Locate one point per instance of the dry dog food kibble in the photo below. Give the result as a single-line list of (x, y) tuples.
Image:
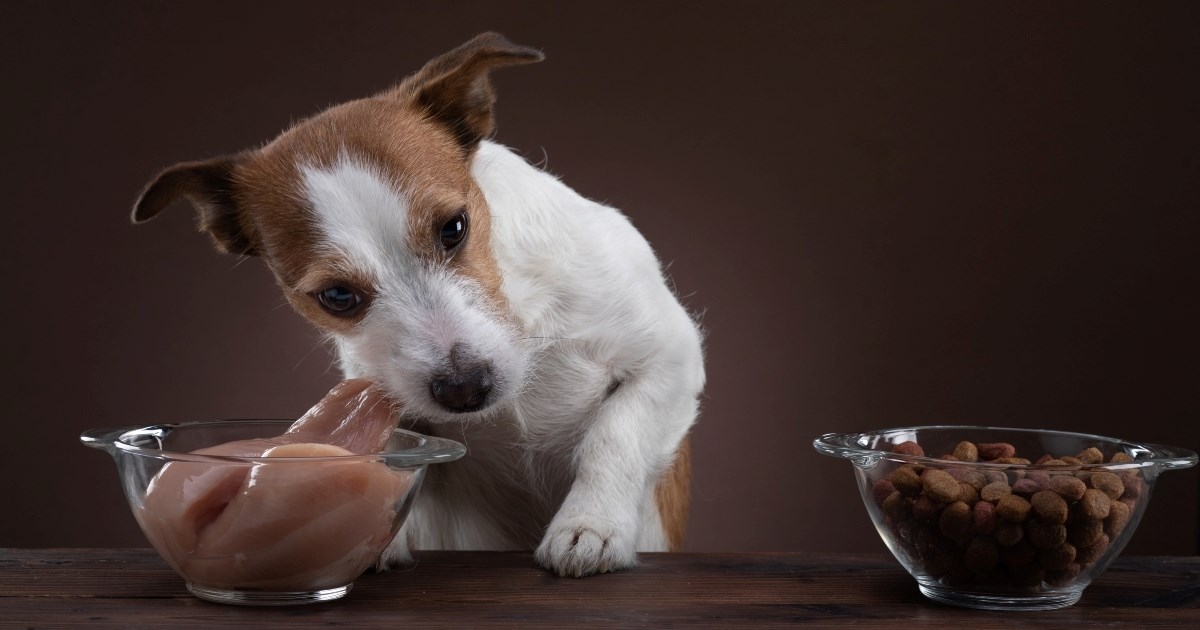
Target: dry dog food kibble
[(1017, 527), (966, 452), (940, 486), (909, 448)]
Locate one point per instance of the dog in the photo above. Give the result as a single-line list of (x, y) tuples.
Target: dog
[(499, 306)]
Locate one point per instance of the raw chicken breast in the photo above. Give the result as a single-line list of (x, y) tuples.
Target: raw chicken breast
[(301, 524)]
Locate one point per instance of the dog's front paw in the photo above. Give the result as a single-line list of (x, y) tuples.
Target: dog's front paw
[(585, 544)]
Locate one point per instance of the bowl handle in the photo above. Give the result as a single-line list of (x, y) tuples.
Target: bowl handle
[(103, 439), (436, 450), (1171, 457), (844, 445)]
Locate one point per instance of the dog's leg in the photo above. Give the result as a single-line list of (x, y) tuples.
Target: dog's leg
[(398, 554), (622, 454)]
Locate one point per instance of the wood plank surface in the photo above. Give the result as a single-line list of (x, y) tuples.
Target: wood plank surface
[(133, 587)]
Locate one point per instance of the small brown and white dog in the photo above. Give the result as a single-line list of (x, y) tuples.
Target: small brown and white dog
[(502, 308)]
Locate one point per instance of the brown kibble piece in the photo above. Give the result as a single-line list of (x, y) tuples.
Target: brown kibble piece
[(966, 452), (906, 480), (992, 476), (1026, 487), (1091, 456), (1009, 534), (985, 517), (909, 448), (1064, 577), (1085, 532), (967, 493), (981, 556), (1040, 476), (1068, 487), (1071, 461), (1013, 508), (1121, 458), (956, 521), (1133, 484), (939, 485), (1088, 555), (1058, 558), (996, 450), (1094, 504), (995, 491), (881, 490), (897, 507), (1019, 461), (1049, 506), (1108, 483), (1045, 535), (1118, 518), (966, 475), (925, 509)]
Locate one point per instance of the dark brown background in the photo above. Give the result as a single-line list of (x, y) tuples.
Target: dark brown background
[(889, 213)]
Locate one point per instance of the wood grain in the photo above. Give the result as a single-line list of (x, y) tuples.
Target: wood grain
[(133, 587)]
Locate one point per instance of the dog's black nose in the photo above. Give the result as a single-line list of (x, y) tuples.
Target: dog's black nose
[(462, 391)]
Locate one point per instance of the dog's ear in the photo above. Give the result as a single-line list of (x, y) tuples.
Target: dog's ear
[(209, 185), (454, 88)]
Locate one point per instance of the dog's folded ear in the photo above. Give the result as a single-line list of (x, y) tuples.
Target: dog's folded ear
[(454, 88), (209, 185)]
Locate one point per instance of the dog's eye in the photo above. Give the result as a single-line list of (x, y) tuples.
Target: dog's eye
[(454, 230), (340, 301)]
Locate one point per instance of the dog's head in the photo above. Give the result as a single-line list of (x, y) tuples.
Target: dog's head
[(375, 230)]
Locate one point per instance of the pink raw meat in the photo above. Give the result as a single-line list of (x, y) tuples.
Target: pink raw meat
[(293, 525)]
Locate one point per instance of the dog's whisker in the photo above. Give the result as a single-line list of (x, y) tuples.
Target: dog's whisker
[(306, 355), (377, 402), (332, 363), (554, 339), (545, 163)]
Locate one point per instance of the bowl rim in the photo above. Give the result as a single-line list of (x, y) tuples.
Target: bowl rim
[(844, 445), (429, 449)]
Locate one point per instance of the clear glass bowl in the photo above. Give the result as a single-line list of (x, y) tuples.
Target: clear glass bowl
[(1026, 552), (266, 530)]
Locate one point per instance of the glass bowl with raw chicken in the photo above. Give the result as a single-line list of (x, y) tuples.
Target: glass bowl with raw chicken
[(268, 512)]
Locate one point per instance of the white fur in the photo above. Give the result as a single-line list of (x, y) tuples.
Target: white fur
[(559, 461), (361, 216)]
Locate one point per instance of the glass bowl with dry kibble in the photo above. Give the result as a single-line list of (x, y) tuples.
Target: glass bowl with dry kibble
[(1003, 519)]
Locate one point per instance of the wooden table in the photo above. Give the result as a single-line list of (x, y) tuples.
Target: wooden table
[(134, 588)]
